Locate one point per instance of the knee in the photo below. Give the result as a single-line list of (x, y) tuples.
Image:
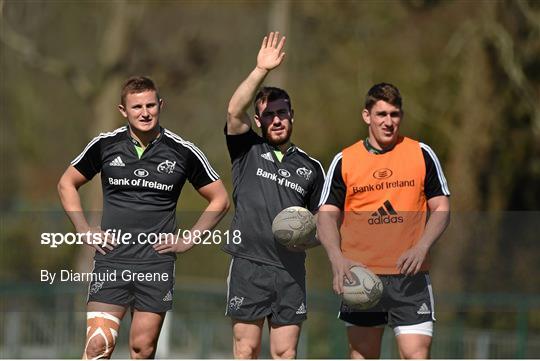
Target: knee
[(287, 354), (243, 350), (98, 348), (140, 349), (367, 353), (142, 353), (418, 354), (355, 355)]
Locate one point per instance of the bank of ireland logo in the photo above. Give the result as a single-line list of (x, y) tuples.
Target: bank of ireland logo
[(304, 172), (284, 173), (235, 303), (166, 167), (141, 173), (382, 173)]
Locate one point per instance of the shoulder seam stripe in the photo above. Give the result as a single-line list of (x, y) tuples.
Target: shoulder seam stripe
[(95, 140), (328, 180), (197, 152), (440, 174), (315, 160)]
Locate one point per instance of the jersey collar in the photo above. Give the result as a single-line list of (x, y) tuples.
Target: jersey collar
[(136, 143), (371, 149), (290, 150)]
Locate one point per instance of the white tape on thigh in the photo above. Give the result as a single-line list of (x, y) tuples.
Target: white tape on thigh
[(424, 328), (101, 324), (104, 315)]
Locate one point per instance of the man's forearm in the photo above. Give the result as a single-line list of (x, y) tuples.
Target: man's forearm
[(71, 202), (211, 216), (328, 234), (269, 57), (331, 244), (243, 95), (435, 226)]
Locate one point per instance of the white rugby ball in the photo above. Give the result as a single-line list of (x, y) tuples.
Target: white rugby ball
[(364, 290), (294, 227)]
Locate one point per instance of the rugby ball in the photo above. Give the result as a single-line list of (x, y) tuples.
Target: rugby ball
[(295, 227), (364, 290)]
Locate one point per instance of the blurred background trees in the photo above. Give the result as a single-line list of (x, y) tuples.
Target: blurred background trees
[(469, 73)]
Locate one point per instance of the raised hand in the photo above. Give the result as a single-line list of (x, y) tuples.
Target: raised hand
[(270, 54)]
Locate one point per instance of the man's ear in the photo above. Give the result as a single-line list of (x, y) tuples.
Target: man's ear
[(292, 115), (257, 120), (161, 102), (366, 116), (122, 110)]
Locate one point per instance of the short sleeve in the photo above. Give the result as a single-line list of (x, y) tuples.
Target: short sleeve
[(316, 189), (200, 172), (88, 163), (334, 189), (239, 144), (435, 181)]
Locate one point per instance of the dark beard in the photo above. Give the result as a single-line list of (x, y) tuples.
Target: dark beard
[(264, 131)]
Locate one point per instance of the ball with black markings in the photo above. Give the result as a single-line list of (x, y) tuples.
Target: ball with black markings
[(294, 227), (364, 290)]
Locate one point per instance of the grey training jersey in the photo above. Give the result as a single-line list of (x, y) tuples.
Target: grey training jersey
[(262, 187), (140, 194)]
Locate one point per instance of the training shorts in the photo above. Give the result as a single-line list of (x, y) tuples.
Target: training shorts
[(406, 300), (257, 290), (145, 287)]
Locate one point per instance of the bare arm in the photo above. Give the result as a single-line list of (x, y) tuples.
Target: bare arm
[(409, 262), (68, 189), (327, 229), (218, 205), (270, 56)]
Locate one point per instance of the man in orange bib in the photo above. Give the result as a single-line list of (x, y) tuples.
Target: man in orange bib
[(384, 204)]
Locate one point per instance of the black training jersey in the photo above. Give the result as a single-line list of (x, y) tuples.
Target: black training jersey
[(262, 187), (434, 182), (140, 195)]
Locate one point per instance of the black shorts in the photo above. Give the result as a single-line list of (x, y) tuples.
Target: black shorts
[(257, 290), (146, 287), (406, 300)]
